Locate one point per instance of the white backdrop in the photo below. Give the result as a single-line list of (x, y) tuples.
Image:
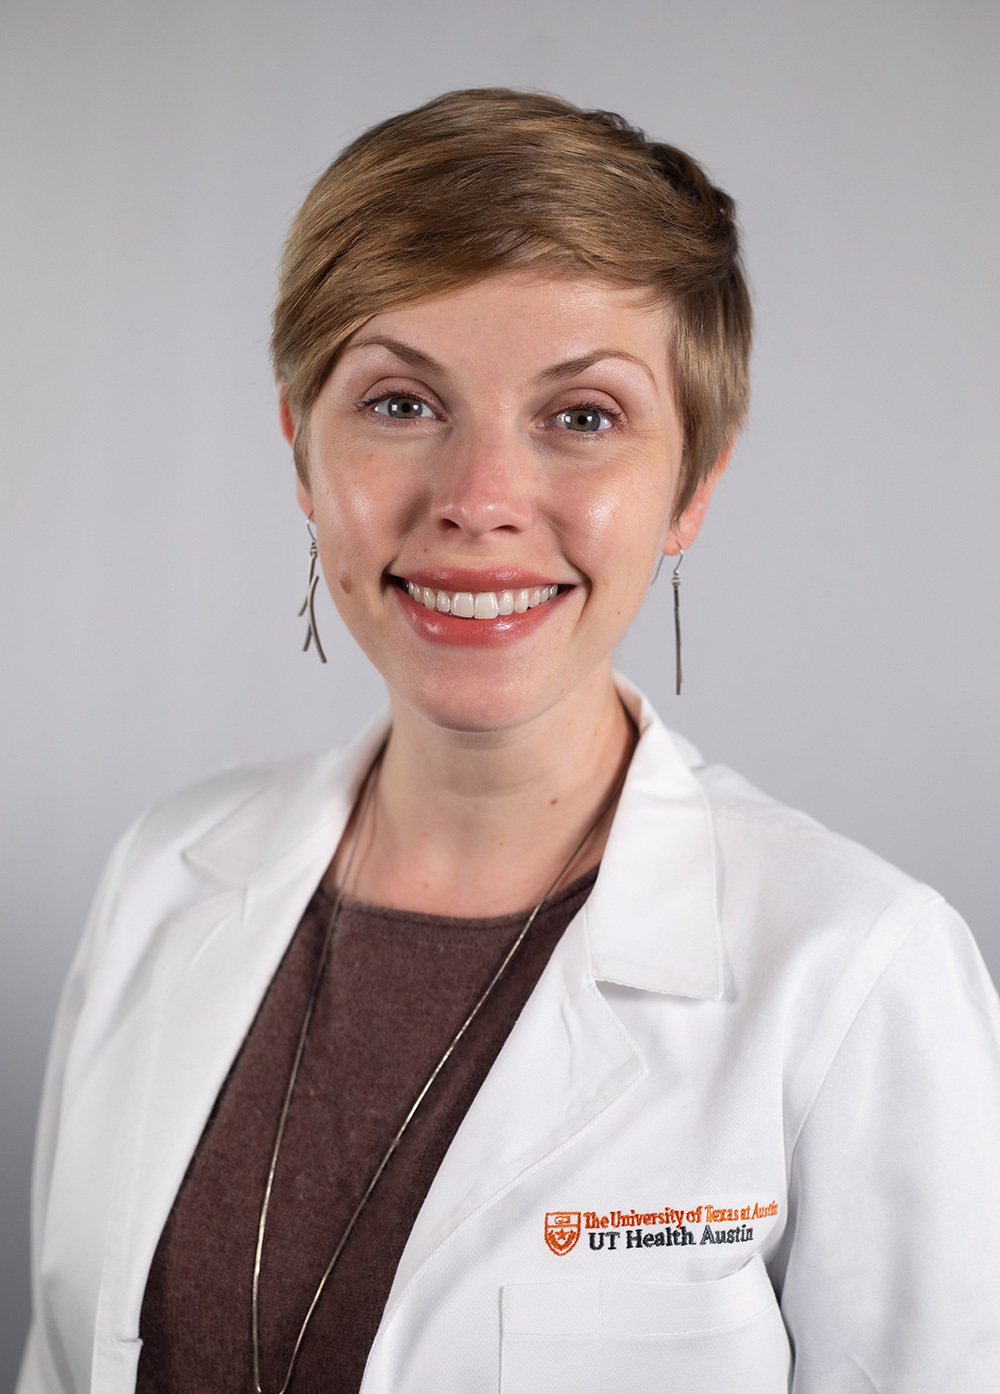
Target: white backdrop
[(840, 609)]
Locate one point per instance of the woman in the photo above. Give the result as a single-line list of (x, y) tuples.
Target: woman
[(514, 1048)]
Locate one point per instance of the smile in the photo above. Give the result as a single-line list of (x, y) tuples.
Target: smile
[(481, 605)]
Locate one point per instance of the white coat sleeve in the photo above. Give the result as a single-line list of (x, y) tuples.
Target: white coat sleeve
[(44, 1368), (892, 1276)]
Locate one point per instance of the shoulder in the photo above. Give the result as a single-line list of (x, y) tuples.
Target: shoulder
[(763, 839), (768, 860), (259, 792), (243, 821), (212, 836), (788, 903), (821, 929), (191, 811)]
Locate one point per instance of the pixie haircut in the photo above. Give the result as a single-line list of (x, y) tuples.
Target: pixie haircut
[(491, 179)]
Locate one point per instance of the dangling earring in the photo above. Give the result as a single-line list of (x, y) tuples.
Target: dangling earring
[(675, 581), (308, 604)]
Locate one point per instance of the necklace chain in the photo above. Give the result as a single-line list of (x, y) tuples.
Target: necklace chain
[(369, 792)]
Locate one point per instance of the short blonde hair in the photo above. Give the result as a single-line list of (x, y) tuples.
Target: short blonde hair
[(489, 179)]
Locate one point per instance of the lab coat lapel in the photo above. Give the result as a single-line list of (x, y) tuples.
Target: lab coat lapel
[(654, 910), (217, 960)]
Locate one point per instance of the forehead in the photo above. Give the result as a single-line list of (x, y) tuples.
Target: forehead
[(520, 322)]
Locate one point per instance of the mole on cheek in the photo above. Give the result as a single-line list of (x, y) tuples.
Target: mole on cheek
[(346, 584)]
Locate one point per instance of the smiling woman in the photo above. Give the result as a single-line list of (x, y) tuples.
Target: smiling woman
[(514, 1048)]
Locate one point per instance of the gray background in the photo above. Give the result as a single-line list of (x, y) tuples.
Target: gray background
[(840, 609)]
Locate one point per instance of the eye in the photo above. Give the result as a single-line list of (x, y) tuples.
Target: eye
[(401, 406), (586, 419)]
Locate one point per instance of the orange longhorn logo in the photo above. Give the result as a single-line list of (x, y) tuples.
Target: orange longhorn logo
[(562, 1230)]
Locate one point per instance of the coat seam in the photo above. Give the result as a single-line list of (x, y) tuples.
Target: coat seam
[(934, 899)]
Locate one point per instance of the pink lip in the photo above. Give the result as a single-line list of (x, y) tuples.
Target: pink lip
[(498, 578), (446, 629)]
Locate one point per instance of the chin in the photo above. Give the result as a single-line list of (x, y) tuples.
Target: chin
[(480, 703)]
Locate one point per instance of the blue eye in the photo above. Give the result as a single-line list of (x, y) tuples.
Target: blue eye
[(584, 419), (401, 406)]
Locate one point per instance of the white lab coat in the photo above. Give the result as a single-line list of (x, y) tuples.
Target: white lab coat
[(751, 1109)]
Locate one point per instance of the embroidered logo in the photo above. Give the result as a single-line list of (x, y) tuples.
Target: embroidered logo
[(669, 1228), (562, 1230)]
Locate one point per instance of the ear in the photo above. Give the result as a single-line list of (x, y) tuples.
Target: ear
[(686, 528), (288, 423), (289, 429)]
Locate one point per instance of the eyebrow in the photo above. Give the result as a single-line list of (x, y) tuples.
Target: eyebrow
[(571, 366), (416, 358)]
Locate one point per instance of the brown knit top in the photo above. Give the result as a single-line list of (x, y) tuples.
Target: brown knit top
[(397, 987)]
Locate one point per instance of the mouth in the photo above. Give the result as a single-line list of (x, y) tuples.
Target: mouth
[(447, 607), (480, 605)]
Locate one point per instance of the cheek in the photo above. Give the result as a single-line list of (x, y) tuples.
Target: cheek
[(619, 534), (361, 513), (356, 494)]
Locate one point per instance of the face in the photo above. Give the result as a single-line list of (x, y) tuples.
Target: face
[(491, 478)]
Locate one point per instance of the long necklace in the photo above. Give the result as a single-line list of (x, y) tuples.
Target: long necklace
[(300, 1049)]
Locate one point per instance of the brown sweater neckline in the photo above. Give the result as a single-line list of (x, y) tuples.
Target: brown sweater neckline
[(455, 922)]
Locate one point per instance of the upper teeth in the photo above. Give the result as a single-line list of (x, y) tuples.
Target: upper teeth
[(481, 605)]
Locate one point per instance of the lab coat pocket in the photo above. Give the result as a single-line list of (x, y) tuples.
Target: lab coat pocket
[(719, 1337)]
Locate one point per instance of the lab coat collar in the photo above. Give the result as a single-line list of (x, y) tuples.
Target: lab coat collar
[(310, 797), (653, 915), (652, 918)]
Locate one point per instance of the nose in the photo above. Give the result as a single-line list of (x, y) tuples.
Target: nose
[(484, 486)]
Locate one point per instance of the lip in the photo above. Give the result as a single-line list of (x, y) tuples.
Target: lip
[(446, 629), (497, 578)]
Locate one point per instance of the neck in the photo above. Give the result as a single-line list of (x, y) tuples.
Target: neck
[(479, 823)]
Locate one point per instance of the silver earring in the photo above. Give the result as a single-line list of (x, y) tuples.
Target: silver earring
[(309, 603), (675, 581)]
